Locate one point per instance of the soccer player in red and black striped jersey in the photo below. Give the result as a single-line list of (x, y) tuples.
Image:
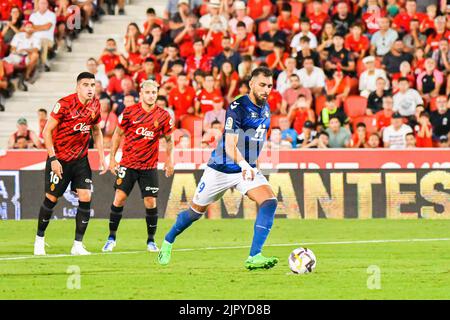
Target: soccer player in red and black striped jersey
[(66, 137), (142, 125)]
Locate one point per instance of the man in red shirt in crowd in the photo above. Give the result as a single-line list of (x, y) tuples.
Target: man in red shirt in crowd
[(243, 42), (402, 20), (199, 60), (259, 10), (286, 21), (356, 42), (135, 61), (115, 82), (317, 18), (182, 97), (148, 72), (384, 116), (204, 99), (441, 33), (111, 58), (371, 16)]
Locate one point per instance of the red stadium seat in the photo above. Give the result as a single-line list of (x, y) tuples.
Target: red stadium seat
[(355, 106), (320, 104), (369, 121)]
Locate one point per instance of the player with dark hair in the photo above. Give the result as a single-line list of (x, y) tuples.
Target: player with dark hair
[(142, 125), (233, 164), (66, 137)]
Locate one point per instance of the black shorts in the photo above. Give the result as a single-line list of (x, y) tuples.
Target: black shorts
[(147, 179), (77, 172)]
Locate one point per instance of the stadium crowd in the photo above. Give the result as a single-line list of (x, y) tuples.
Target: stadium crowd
[(347, 73)]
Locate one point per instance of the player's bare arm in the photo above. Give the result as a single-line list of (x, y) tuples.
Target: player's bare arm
[(168, 165), (98, 142), (115, 143), (51, 125)]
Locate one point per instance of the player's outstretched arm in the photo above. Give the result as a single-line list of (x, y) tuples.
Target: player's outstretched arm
[(51, 124), (98, 142), (115, 143), (168, 165)]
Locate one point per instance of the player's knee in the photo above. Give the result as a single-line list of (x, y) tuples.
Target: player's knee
[(120, 198), (199, 209), (270, 205), (150, 202), (51, 198), (84, 196)]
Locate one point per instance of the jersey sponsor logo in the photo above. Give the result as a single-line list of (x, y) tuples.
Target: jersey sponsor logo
[(229, 123), (145, 132), (56, 108), (82, 127)]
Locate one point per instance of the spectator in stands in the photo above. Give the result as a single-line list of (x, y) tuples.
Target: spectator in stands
[(440, 118), (259, 10), (317, 17), (42, 119), (356, 42), (100, 93), (240, 12), (342, 19), (384, 116), (216, 114), (312, 77), (213, 19), (360, 137), (268, 39), (198, 60), (339, 86), (227, 81), (394, 136), (300, 112), (163, 103), (424, 131), (405, 72), (410, 141), (228, 54), (151, 21), (375, 98), (243, 42), (291, 95), (402, 20), (108, 122), (326, 38), (204, 99), (276, 140), (374, 141), (439, 32), (110, 57), (133, 39), (13, 25), (283, 79), (246, 67), (323, 140), (276, 61), (212, 135), (414, 39), (429, 82), (115, 82), (382, 40), (339, 58), (442, 56), (184, 142), (287, 133), (182, 97), (158, 41), (64, 25), (305, 31), (406, 99), (148, 72), (171, 54), (32, 140), (127, 88), (393, 59), (308, 136), (339, 137), (92, 67), (443, 142), (286, 21), (368, 79), (24, 54), (332, 110), (307, 52), (44, 24)]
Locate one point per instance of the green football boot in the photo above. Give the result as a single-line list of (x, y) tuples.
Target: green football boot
[(260, 262)]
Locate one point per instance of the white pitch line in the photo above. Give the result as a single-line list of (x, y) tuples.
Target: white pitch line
[(239, 247)]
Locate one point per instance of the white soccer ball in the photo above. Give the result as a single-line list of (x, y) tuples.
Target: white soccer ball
[(302, 260)]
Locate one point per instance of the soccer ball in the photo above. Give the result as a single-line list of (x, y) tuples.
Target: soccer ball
[(302, 260)]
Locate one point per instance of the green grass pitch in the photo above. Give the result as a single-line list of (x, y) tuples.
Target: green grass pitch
[(408, 269)]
